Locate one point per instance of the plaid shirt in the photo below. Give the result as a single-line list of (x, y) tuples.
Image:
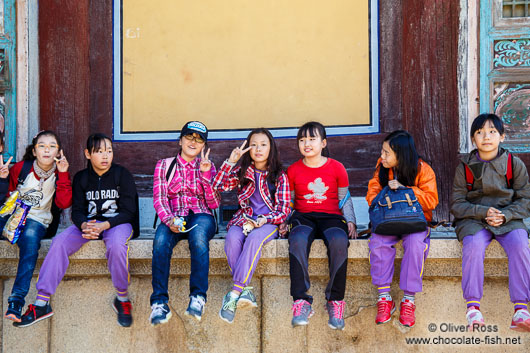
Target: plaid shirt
[(189, 190), (227, 179)]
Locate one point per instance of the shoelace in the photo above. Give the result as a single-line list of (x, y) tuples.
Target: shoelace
[(407, 308), (157, 310), (126, 306), (337, 308), (197, 303), (31, 309), (247, 291), (231, 304), (381, 306), (298, 307)]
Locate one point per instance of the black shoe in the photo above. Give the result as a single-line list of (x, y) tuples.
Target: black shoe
[(123, 309), (34, 314), (14, 311)]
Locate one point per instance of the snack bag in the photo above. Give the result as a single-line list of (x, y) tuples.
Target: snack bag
[(9, 205), (15, 223)]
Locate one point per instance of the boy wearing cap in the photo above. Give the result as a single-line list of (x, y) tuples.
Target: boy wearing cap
[(182, 191)]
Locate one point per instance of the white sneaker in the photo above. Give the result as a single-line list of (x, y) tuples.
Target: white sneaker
[(521, 321), (474, 317), (196, 307)]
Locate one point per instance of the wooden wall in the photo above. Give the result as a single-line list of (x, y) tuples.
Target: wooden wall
[(418, 80)]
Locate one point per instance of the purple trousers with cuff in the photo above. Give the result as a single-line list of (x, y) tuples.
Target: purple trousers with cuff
[(243, 252), (69, 241), (515, 244), (383, 253)]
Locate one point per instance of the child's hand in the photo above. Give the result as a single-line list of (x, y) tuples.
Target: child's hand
[(4, 168), (394, 184), (494, 217), (206, 164), (173, 227), (259, 221), (62, 163), (352, 231), (238, 152), (88, 230), (282, 229)]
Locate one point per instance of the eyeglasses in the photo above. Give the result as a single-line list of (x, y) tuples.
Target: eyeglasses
[(43, 146), (197, 138)]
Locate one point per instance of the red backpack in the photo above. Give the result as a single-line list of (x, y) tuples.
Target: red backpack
[(509, 174)]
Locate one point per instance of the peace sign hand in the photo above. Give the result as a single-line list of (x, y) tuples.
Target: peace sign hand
[(62, 163), (206, 164), (238, 152), (4, 168)]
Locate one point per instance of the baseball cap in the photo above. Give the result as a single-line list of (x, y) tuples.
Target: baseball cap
[(194, 127)]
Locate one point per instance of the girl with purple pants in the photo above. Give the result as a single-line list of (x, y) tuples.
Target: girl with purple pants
[(264, 197), (103, 207), (399, 166), (491, 197)]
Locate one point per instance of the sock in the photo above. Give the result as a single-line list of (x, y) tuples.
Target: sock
[(519, 306), (474, 303), (409, 297), (40, 302), (123, 299), (385, 295)]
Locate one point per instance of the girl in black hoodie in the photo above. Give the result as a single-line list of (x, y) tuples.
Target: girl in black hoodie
[(104, 207)]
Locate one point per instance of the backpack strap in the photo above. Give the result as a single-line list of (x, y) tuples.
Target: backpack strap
[(26, 168), (169, 176), (470, 179), (509, 171)]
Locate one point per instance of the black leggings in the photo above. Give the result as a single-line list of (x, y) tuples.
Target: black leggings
[(333, 229)]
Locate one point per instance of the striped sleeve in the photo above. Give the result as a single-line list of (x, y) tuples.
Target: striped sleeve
[(226, 178), (160, 200)]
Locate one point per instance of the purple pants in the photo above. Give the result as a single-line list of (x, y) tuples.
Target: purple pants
[(515, 244), (383, 252), (243, 252), (70, 241)]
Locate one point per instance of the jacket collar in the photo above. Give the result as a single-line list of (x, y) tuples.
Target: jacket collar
[(250, 173), (91, 171), (500, 163)]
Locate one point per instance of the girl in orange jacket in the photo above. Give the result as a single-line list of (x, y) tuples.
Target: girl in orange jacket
[(400, 165)]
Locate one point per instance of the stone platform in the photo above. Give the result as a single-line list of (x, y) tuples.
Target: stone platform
[(85, 322)]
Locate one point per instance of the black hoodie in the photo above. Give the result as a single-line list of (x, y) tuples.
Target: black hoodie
[(102, 198)]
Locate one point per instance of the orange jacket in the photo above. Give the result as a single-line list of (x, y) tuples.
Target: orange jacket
[(425, 188)]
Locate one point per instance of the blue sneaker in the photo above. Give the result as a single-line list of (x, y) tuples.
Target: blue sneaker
[(196, 306), (228, 309), (302, 311), (247, 299), (336, 314), (160, 314), (35, 314), (14, 311)]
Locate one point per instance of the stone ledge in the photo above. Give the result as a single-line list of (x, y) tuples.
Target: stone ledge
[(141, 249)]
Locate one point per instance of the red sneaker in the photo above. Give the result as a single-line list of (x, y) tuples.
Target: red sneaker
[(385, 309), (406, 313)]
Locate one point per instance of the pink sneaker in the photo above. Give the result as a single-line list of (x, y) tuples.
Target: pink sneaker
[(474, 316), (407, 315), (521, 321), (385, 309)]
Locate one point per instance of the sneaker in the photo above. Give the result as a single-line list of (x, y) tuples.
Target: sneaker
[(336, 314), (521, 321), (123, 309), (196, 307), (160, 314), (385, 309), (302, 311), (34, 314), (474, 317), (228, 309), (406, 314), (14, 311), (247, 299)]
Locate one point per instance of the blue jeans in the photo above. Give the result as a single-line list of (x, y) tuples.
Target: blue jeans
[(28, 244), (198, 241)]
